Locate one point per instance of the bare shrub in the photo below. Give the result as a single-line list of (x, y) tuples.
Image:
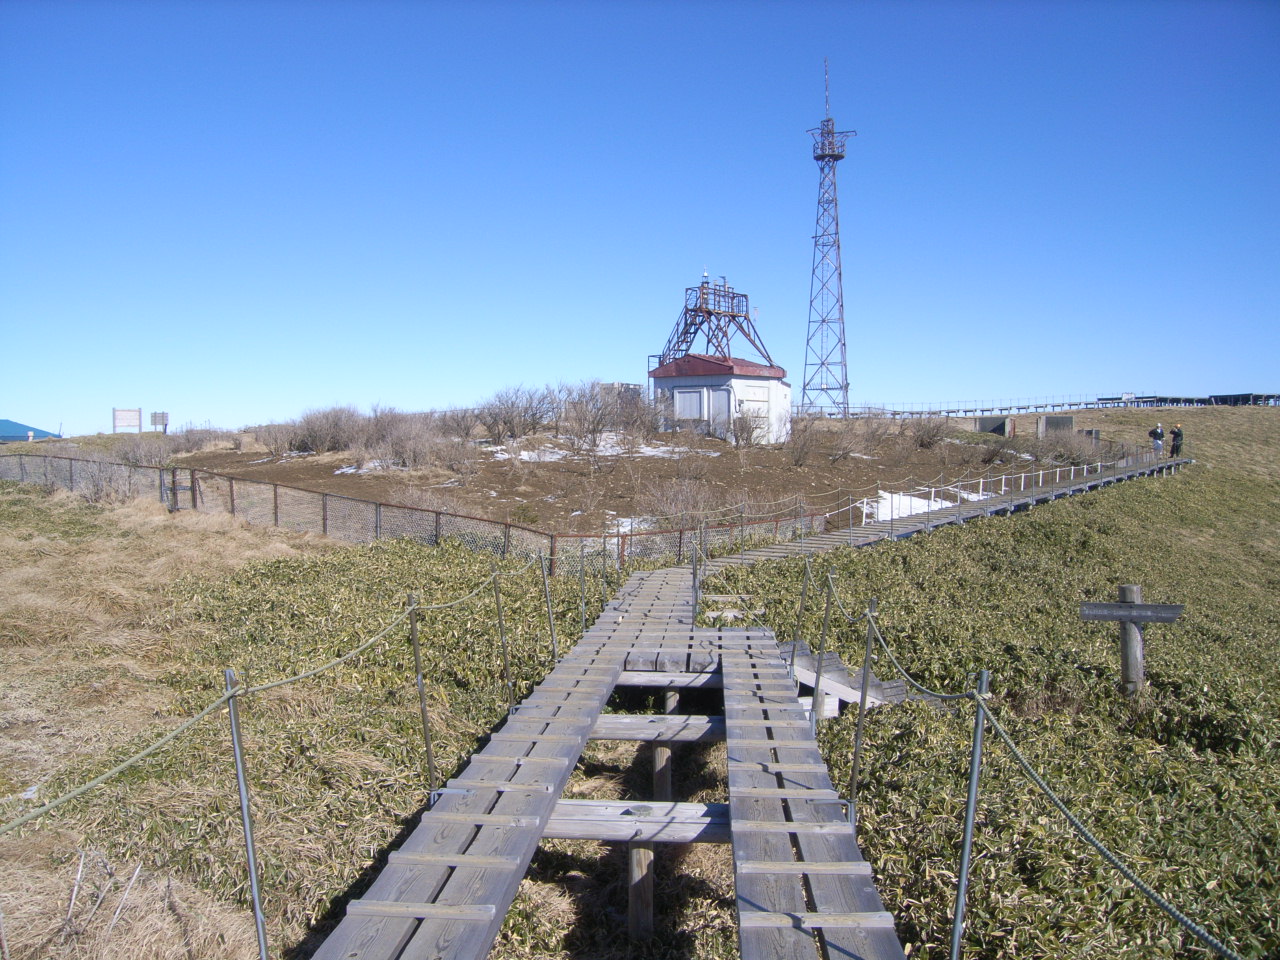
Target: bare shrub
[(278, 438), (589, 411), (1063, 447), (395, 439), (459, 422), (802, 440), (858, 436), (681, 502), (638, 420), (142, 451), (997, 450), (329, 430), (926, 432), (748, 430), (517, 412)]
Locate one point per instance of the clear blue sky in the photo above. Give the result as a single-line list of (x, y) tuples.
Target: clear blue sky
[(237, 211)]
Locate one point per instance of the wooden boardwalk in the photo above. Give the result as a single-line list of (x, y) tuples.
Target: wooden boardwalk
[(802, 888)]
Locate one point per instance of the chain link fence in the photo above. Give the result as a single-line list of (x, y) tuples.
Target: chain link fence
[(364, 521)]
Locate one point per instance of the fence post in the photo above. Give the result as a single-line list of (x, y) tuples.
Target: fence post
[(970, 810), (324, 514), (506, 540), (437, 540), (680, 547), (552, 559), (246, 814), (377, 521), (422, 700), (551, 619), (502, 635)]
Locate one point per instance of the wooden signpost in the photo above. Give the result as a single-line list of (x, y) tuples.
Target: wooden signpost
[(1132, 614)]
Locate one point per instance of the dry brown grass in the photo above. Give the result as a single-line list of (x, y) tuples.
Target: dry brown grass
[(83, 646), (58, 908)]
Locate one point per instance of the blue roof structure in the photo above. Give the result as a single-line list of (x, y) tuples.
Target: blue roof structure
[(13, 432)]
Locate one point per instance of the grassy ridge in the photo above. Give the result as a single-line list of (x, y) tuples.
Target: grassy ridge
[(1183, 784)]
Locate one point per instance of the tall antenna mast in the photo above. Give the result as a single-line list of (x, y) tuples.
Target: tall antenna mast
[(826, 376)]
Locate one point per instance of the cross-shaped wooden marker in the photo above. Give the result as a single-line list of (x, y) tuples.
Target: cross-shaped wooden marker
[(1132, 614)]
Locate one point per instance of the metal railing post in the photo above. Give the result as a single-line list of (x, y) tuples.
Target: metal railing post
[(422, 700), (551, 619), (804, 598), (246, 814), (856, 763), (970, 811), (582, 582), (818, 699), (502, 636)]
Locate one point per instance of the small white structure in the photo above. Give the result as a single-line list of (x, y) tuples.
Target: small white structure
[(725, 397)]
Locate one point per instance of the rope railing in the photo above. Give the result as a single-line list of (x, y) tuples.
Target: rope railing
[(983, 714), (237, 688)]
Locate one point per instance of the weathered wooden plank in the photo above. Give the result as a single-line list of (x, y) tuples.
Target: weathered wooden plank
[(816, 921), (473, 913), (678, 728), (857, 868)]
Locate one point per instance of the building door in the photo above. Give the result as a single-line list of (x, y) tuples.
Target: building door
[(721, 418)]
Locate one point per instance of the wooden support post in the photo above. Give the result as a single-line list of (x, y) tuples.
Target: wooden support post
[(640, 865), (1132, 614), (1132, 673)]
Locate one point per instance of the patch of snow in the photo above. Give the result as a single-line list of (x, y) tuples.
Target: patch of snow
[(543, 454), (971, 494), (894, 506), (630, 524), (370, 467)]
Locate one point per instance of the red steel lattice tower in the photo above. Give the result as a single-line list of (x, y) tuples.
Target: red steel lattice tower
[(826, 374)]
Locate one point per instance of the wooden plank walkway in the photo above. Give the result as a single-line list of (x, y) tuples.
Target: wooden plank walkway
[(802, 887), (1000, 503)]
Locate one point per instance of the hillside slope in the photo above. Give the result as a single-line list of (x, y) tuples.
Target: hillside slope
[(1182, 784)]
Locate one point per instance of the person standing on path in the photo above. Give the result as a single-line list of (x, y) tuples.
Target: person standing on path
[(1157, 439), (1175, 441)]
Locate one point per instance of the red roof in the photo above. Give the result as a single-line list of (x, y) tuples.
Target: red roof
[(701, 365)]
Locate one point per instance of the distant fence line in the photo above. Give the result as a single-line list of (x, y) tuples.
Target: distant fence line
[(1005, 408), (363, 521)]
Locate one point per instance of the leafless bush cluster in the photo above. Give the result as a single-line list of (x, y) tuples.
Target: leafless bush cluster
[(748, 431), (926, 432), (392, 438), (681, 502), (1063, 446), (858, 436), (386, 438), (998, 450), (329, 430), (803, 440), (517, 412), (144, 451)]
